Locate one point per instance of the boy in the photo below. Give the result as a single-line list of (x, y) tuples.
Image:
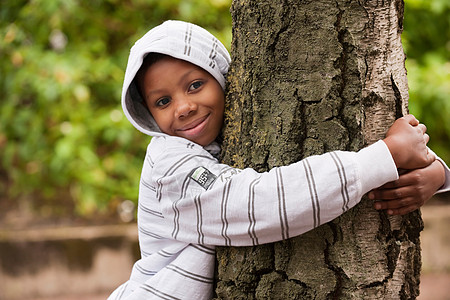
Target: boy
[(189, 202)]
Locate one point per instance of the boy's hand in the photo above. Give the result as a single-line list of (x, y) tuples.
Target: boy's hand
[(407, 140), (410, 191)]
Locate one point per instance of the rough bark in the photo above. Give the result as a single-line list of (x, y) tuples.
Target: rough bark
[(308, 77)]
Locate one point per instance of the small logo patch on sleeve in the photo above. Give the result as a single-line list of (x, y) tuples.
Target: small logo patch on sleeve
[(203, 177)]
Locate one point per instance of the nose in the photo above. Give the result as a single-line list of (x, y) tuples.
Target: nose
[(184, 107)]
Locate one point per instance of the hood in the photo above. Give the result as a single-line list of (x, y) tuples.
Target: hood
[(180, 40)]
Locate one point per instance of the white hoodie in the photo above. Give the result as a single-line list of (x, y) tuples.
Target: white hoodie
[(189, 202)]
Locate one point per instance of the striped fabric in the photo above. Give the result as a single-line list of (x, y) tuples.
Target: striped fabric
[(180, 221), (189, 203)]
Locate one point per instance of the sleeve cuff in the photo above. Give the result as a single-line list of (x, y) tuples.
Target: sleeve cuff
[(376, 166), (446, 186)]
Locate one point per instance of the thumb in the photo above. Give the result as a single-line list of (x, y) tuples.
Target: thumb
[(411, 120), (430, 157)]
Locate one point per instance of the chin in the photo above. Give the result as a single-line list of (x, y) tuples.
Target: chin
[(204, 143)]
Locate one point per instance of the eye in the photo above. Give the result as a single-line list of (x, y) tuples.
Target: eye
[(195, 85), (163, 101)]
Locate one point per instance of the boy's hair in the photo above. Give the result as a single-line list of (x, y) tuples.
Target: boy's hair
[(148, 61)]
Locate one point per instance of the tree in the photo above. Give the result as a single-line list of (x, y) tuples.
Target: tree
[(309, 77)]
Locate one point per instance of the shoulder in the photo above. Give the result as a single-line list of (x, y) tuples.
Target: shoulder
[(169, 150), (161, 145)]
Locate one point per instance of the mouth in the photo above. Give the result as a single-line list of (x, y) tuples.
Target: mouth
[(194, 127)]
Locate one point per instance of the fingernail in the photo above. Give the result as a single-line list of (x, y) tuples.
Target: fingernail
[(377, 206), (371, 195), (390, 212)]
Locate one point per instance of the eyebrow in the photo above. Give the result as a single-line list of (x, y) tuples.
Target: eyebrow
[(147, 95), (186, 75), (179, 82)]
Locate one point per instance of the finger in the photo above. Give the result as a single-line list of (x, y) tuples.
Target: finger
[(422, 127), (430, 158), (409, 178), (402, 211), (389, 185), (385, 186), (411, 120), (404, 179), (394, 204), (390, 194), (426, 137)]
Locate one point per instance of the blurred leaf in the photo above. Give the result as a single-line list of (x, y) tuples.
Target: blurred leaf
[(61, 71), (62, 131), (426, 39)]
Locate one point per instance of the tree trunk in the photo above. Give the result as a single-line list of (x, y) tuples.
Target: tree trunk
[(309, 77)]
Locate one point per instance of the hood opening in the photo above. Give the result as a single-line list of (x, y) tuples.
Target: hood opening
[(137, 109)]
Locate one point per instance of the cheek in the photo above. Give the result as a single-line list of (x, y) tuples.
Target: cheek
[(220, 100), (163, 121), (220, 111), (222, 107)]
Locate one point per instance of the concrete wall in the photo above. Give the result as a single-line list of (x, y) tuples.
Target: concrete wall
[(76, 261), (80, 262)]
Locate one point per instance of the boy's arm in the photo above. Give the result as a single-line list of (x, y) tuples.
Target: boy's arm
[(204, 202), (413, 189), (244, 208)]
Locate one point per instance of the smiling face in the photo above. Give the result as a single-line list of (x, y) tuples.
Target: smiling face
[(184, 100)]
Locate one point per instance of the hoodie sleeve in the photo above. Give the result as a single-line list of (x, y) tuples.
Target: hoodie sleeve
[(446, 186), (205, 202)]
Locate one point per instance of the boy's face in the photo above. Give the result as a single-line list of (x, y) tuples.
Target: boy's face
[(184, 100)]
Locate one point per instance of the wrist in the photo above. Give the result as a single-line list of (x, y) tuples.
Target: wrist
[(390, 143), (375, 166), (439, 173)]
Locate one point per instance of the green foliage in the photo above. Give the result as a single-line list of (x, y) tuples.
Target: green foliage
[(62, 131), (426, 39)]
